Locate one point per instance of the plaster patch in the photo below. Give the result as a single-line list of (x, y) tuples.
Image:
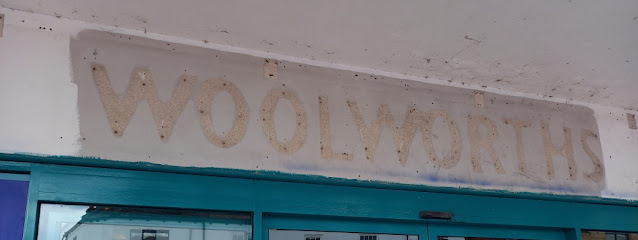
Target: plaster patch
[(631, 121), (142, 87), (270, 69), (479, 99), (205, 97), (267, 117)]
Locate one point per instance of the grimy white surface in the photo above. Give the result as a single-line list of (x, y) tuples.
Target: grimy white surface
[(167, 103), (39, 102), (573, 49)]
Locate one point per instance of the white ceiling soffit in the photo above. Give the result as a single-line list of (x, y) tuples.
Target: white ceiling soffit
[(581, 50)]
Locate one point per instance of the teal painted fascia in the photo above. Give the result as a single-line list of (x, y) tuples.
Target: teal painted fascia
[(320, 200), (296, 178), (15, 167), (14, 177)]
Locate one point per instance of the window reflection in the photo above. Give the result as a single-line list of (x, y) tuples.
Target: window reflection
[(278, 234), (602, 235), (74, 222), (474, 238), (149, 234)]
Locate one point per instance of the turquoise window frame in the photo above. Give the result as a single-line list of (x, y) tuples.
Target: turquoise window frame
[(273, 197), (425, 230), (14, 176), (505, 232)]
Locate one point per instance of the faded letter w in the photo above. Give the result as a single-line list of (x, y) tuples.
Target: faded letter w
[(141, 87)]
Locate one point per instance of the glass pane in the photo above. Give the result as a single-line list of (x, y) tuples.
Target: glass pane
[(276, 234), (75, 222), (603, 235)]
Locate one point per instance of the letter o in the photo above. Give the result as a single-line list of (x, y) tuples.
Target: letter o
[(451, 160), (205, 97), (267, 117)]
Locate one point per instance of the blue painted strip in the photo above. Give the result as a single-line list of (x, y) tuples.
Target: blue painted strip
[(300, 178), (13, 204), (429, 178)]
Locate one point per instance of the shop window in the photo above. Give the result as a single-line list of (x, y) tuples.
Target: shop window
[(602, 235), (368, 237), (278, 234), (82, 222), (149, 234), (239, 236)]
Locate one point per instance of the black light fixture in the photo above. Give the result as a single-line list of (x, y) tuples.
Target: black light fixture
[(435, 215)]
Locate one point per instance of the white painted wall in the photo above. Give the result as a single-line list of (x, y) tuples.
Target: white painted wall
[(582, 49), (38, 99)]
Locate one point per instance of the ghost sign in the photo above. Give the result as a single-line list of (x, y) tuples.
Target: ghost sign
[(159, 102)]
